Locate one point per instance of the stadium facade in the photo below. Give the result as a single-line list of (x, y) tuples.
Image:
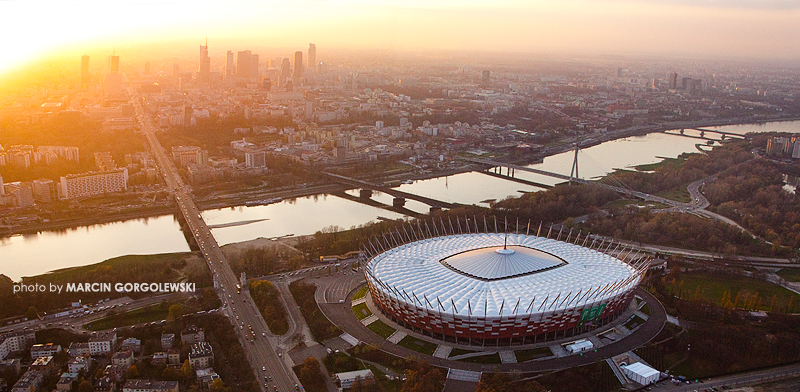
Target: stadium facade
[(456, 282)]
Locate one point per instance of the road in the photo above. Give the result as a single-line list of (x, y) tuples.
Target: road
[(238, 306)]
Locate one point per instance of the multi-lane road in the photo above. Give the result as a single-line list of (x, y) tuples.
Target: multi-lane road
[(269, 366)]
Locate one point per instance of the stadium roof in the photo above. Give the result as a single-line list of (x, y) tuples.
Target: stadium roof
[(473, 274)]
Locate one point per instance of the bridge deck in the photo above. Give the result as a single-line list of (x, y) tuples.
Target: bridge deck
[(391, 191)]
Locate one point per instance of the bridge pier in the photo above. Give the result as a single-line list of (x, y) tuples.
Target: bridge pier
[(399, 201), (365, 193)]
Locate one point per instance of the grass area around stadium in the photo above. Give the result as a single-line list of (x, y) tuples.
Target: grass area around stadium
[(361, 293), (418, 345), (713, 286), (645, 309), (381, 329), (362, 311), (633, 322), (533, 353)]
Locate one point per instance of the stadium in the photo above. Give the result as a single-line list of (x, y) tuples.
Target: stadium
[(499, 288)]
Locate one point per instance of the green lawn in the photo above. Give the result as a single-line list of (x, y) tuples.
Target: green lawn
[(144, 315), (790, 274), (362, 311), (534, 353), (380, 328), (713, 286), (361, 293), (460, 351), (489, 358), (675, 162), (646, 309), (678, 194), (415, 344)]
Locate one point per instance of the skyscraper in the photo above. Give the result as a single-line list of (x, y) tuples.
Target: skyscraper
[(673, 81), (204, 73), (312, 57), (254, 67), (113, 63), (228, 65), (244, 62), (298, 64), (85, 70)]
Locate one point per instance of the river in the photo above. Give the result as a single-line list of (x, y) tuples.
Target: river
[(25, 255)]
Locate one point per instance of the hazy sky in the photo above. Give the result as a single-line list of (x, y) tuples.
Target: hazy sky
[(739, 28)]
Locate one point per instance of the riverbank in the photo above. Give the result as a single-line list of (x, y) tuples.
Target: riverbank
[(239, 199)]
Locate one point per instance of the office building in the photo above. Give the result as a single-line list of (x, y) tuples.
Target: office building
[(244, 64), (113, 63), (204, 73), (672, 80), (312, 57), (298, 64), (85, 70), (44, 190), (255, 159), (228, 65)]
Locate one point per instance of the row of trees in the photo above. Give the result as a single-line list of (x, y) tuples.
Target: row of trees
[(267, 299)]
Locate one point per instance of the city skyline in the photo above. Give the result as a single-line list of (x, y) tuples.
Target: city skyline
[(745, 28)]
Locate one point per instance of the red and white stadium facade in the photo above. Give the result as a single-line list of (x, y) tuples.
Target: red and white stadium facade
[(478, 287)]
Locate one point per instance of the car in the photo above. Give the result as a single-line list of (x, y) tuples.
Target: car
[(263, 368)]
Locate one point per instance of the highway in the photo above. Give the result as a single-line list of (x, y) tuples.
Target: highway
[(269, 366)]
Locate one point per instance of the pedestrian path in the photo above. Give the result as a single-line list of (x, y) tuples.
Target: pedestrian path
[(359, 301), (369, 319), (350, 339), (443, 351), (396, 337), (507, 356), (463, 375)]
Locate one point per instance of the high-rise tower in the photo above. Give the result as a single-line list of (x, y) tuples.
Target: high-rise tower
[(204, 73), (298, 64), (244, 64), (113, 63), (229, 65), (85, 70), (312, 57)]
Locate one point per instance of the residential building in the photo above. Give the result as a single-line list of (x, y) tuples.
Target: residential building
[(94, 183), (167, 340), (14, 342), (192, 334), (102, 343), (80, 363), (45, 350), (123, 358), (29, 382), (201, 356), (346, 379), (78, 349), (132, 344)]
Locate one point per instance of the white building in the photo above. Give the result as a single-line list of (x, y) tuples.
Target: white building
[(346, 379), (94, 183), (15, 342), (641, 373), (102, 343), (580, 345)]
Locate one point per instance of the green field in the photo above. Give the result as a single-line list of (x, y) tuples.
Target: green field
[(361, 293), (417, 345), (380, 328), (489, 358), (534, 353), (144, 315), (713, 286), (675, 162), (646, 309), (790, 274), (362, 311)]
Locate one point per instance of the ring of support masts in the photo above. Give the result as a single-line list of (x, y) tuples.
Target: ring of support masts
[(391, 239)]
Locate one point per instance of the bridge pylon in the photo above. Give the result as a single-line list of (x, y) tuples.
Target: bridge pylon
[(574, 169)]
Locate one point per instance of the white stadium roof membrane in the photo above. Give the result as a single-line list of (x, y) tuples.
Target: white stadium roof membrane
[(475, 274)]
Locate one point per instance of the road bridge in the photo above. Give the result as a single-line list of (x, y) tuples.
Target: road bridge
[(399, 195), (703, 131), (625, 191)]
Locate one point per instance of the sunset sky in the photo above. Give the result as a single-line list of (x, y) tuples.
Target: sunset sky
[(713, 28)]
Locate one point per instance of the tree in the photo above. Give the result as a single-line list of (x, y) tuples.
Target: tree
[(422, 377), (133, 372), (32, 313), (85, 386), (186, 369), (175, 312), (310, 374), (171, 374), (219, 386)]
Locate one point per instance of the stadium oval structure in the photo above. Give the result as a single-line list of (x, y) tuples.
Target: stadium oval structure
[(495, 287)]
